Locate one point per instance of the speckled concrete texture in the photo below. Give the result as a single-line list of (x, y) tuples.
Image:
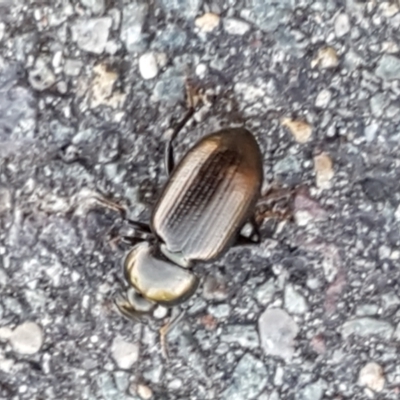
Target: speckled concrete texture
[(88, 92)]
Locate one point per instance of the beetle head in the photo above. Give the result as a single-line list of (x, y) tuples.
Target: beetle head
[(153, 279)]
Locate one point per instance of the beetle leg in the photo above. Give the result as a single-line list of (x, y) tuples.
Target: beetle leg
[(164, 330), (193, 98)]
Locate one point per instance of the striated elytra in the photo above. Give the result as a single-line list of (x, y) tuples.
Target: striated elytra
[(209, 196)]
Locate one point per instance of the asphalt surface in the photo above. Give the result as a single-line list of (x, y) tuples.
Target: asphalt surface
[(89, 91)]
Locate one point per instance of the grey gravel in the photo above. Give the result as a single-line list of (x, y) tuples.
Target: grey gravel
[(313, 391), (90, 90), (245, 336), (388, 67), (95, 6), (366, 327), (72, 67), (295, 303), (248, 379)]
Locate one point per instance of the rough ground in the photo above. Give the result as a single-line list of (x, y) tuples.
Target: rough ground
[(88, 90)]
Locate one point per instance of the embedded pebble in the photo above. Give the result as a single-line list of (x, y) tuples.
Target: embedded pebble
[(301, 130), (326, 58), (342, 25), (207, 22), (96, 6), (277, 333), (323, 99), (323, 168), (144, 392), (72, 67), (91, 35), (41, 77), (103, 88), (388, 67), (307, 210), (372, 376), (133, 18), (27, 338), (235, 26), (243, 335), (295, 303), (366, 327), (312, 391), (148, 66), (124, 353), (265, 292), (248, 379)]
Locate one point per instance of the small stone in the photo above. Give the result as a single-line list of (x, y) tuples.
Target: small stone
[(243, 335), (124, 353), (388, 67), (277, 333), (326, 58), (370, 132), (102, 88), (144, 392), (207, 22), (313, 391), (72, 67), (219, 311), (92, 35), (133, 19), (265, 292), (41, 77), (397, 332), (148, 66), (372, 376), (235, 26), (27, 338), (5, 333), (215, 287), (323, 99), (2, 30), (307, 210), (295, 303), (342, 25), (323, 168), (378, 104), (187, 8), (366, 327), (95, 6), (300, 129), (365, 310), (248, 379)]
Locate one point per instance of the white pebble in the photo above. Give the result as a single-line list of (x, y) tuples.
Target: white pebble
[(27, 338), (148, 66), (235, 26), (371, 376), (342, 25), (125, 354), (323, 98)]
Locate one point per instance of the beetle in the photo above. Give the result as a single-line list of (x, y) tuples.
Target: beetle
[(209, 197)]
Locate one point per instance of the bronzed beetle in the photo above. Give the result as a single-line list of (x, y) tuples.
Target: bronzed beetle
[(209, 197)]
